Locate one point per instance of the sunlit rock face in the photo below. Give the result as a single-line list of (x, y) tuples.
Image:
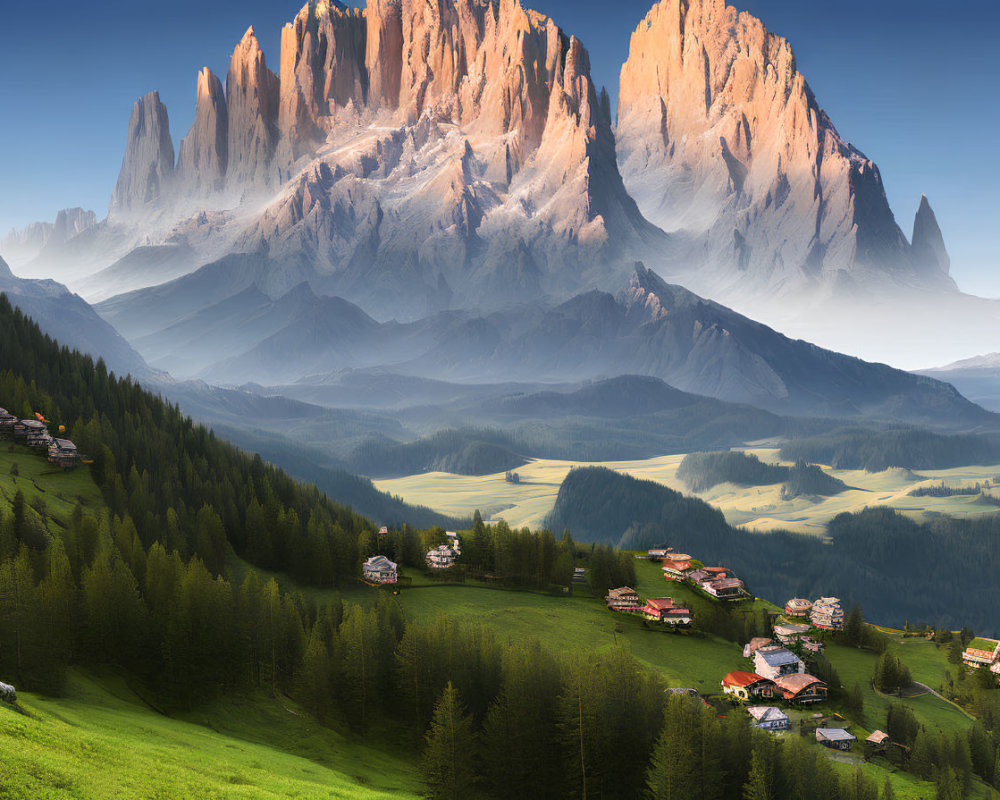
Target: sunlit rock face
[(148, 166), (721, 138), (204, 153), (252, 107)]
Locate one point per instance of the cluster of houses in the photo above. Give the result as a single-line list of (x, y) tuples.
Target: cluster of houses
[(719, 583), (444, 556), (35, 433), (983, 653), (656, 609), (379, 570), (826, 613)]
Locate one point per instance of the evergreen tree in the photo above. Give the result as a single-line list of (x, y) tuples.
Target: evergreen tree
[(449, 752)]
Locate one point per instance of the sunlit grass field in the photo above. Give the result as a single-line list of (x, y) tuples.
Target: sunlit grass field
[(101, 741), (756, 508)]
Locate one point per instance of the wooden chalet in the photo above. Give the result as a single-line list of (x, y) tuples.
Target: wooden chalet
[(625, 599), (662, 609), (63, 453), (798, 607), (801, 688), (724, 588), (7, 421), (828, 614), (982, 652), (835, 738), (774, 662), (380, 570), (746, 685), (769, 718), (754, 645)]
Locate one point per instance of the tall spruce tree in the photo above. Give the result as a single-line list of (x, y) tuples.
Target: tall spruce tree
[(449, 752)]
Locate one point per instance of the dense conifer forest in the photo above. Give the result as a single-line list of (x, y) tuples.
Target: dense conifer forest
[(171, 581), (898, 569), (703, 471)]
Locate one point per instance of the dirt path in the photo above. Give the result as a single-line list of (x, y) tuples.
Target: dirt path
[(940, 696)]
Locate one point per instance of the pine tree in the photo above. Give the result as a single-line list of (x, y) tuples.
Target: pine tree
[(760, 783), (449, 752), (888, 793)]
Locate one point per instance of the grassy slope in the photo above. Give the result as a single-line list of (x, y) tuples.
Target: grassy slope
[(102, 741), (39, 480), (757, 507)]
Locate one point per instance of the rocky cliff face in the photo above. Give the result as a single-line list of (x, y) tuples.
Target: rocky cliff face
[(721, 138), (204, 154), (252, 106), (148, 166)]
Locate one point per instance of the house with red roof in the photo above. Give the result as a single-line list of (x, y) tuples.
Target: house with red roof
[(747, 685), (662, 609), (800, 688)]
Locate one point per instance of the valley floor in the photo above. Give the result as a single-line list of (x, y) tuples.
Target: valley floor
[(759, 508)]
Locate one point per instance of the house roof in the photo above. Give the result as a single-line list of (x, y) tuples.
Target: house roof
[(982, 643), (64, 444), (624, 590), (677, 557), (380, 562), (724, 583), (679, 611), (758, 642), (776, 656), (660, 603), (790, 630), (738, 678), (835, 735), (798, 602), (878, 737), (796, 683), (766, 713)]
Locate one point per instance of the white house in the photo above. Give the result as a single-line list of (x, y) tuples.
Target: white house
[(773, 662), (769, 718), (379, 569), (441, 557)]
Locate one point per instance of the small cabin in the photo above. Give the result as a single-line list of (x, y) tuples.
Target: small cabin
[(798, 607), (662, 609), (835, 738), (624, 599), (64, 453), (380, 570), (769, 718)]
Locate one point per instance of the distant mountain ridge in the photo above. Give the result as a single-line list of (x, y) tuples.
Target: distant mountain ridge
[(649, 328)]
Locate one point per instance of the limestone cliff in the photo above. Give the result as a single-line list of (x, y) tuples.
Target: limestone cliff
[(252, 108), (148, 165), (204, 154)]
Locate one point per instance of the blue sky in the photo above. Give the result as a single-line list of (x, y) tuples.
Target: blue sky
[(913, 84)]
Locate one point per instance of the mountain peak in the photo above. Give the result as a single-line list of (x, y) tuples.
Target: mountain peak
[(929, 251), (148, 165)]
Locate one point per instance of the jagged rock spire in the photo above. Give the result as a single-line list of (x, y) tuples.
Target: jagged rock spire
[(928, 250), (148, 166), (204, 154), (252, 104)]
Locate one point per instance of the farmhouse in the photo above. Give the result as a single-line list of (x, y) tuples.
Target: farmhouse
[(982, 652), (442, 557), (773, 662), (754, 645), (379, 569), (744, 685), (34, 432), (798, 607), (834, 738), (662, 609), (827, 614), (769, 718), (624, 599), (802, 688)]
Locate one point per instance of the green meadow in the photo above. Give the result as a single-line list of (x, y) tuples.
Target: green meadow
[(759, 508)]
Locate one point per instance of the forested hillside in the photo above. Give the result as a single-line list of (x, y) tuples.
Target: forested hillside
[(943, 573)]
